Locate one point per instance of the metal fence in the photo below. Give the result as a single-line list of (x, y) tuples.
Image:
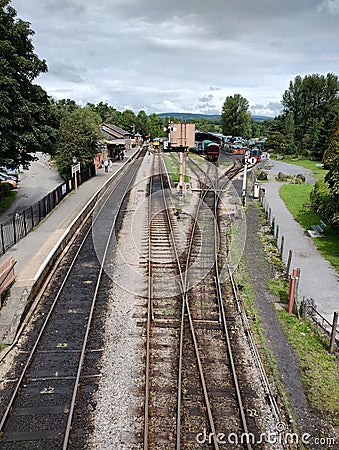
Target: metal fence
[(307, 308), (22, 223)]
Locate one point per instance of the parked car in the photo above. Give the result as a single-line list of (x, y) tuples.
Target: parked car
[(12, 183), (13, 173), (9, 177)]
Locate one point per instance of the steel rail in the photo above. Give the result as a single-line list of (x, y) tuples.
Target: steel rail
[(149, 317)]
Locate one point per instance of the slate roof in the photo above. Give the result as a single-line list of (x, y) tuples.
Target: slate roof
[(113, 131)]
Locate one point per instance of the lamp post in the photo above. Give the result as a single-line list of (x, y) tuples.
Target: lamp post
[(244, 181), (75, 169)]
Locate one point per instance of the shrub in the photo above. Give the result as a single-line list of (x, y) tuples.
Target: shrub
[(5, 190), (325, 203)]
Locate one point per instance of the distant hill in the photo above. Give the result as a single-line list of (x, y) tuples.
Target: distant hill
[(192, 116)]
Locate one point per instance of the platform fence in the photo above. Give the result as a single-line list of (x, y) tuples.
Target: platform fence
[(21, 223)]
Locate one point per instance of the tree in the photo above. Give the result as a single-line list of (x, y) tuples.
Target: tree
[(142, 123), (235, 117), (79, 135), (128, 119), (276, 141), (332, 150), (331, 207), (25, 109), (325, 194), (313, 103), (155, 126), (289, 131)]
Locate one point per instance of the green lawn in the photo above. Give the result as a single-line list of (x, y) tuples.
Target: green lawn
[(294, 196)]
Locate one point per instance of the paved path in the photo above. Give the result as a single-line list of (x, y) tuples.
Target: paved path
[(318, 279), (34, 184)]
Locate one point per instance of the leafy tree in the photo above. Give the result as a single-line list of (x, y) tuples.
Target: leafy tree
[(102, 109), (260, 129), (142, 123), (156, 126), (114, 117), (313, 103), (235, 117), (25, 109), (276, 141), (331, 206), (79, 135), (325, 194), (289, 131), (202, 124), (128, 120), (333, 147)]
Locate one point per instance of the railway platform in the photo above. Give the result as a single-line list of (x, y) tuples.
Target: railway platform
[(37, 251)]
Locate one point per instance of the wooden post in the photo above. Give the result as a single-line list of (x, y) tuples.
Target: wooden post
[(289, 263), (273, 225), (292, 290), (2, 240), (282, 245), (277, 233), (334, 331), (296, 286)]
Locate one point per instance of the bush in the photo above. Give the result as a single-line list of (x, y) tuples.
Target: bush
[(325, 204), (5, 190)]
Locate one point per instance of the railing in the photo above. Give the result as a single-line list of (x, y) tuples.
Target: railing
[(22, 223), (308, 309)]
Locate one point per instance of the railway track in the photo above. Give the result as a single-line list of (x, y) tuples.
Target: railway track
[(163, 316), (58, 356), (214, 396), (196, 384)]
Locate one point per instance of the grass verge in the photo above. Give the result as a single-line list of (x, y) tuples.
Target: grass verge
[(266, 354), (172, 164), (318, 172), (294, 196), (319, 368), (7, 201)]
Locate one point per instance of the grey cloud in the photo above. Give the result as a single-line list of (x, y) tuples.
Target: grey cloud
[(154, 55), (331, 6), (67, 71), (206, 98)]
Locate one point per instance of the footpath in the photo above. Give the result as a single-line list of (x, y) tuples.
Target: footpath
[(318, 279), (37, 252)]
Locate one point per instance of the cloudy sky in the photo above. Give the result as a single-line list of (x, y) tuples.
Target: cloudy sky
[(181, 55)]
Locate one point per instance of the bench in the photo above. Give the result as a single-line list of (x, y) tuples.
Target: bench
[(319, 228), (7, 275)]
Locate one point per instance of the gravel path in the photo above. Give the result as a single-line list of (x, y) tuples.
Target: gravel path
[(259, 270)]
